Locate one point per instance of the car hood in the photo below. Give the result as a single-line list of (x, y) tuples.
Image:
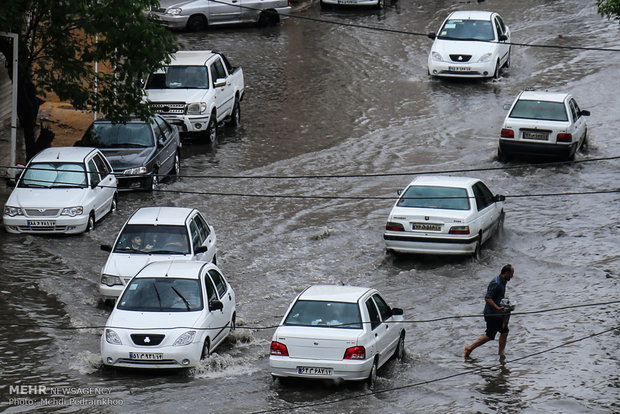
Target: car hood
[(425, 214), (175, 95), (128, 264), (462, 47), (47, 197), (154, 320), (123, 158)]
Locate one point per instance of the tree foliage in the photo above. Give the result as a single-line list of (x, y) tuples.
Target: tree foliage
[(609, 8), (59, 43)]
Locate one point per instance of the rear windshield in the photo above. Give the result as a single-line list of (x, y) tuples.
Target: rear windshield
[(325, 314), (54, 175), (162, 294), (448, 198), (542, 110), (132, 135), (149, 239)]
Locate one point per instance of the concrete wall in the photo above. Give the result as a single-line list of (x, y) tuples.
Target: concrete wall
[(6, 93)]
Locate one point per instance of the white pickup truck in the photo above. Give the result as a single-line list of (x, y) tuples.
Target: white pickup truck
[(197, 91)]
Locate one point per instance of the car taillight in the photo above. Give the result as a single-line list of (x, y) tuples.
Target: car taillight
[(356, 352), (507, 133), (278, 349), (565, 137), (459, 230), (394, 226)]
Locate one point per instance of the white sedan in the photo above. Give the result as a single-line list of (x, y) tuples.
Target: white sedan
[(470, 44), (171, 315), (337, 332), (443, 215), (546, 124), (62, 190)]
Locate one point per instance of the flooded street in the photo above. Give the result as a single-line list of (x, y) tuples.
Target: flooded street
[(335, 120)]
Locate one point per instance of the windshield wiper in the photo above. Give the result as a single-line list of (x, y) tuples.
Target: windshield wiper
[(181, 296), (129, 249), (158, 297), (166, 252)]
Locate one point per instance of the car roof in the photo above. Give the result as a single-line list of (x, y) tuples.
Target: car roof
[(64, 154), (471, 15), (444, 181), (543, 96), (160, 215), (186, 269), (336, 293), (191, 57)]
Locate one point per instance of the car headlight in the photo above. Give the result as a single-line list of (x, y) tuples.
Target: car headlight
[(135, 171), (436, 57), (196, 108), (111, 280), (12, 211), (112, 337), (485, 58), (185, 339), (175, 11), (72, 211)]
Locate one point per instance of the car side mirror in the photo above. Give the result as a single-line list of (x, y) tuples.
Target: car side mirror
[(220, 82), (201, 249), (584, 113), (503, 38), (397, 311), (506, 107), (215, 305), (500, 197), (106, 247), (432, 35)]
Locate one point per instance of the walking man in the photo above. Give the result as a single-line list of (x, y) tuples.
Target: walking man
[(494, 312)]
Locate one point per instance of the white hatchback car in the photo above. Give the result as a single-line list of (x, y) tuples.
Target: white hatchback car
[(61, 190), (172, 314), (547, 124), (152, 234), (443, 215), (470, 44), (337, 332)]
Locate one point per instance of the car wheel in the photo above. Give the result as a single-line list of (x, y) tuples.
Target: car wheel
[(176, 168), (205, 350), (584, 145), (114, 204), (478, 250), (268, 18), (399, 353), (500, 223), (502, 156), (380, 4), (507, 64), (90, 225), (154, 180), (196, 24), (212, 128), (496, 73), (372, 378), (235, 117), (233, 323), (214, 260)]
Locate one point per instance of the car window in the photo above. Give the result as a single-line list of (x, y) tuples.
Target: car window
[(195, 235), (159, 134), (102, 166), (498, 28), (501, 23), (219, 67), (419, 196), (165, 126), (483, 195), (95, 179), (161, 239), (467, 29), (384, 310), (327, 314), (576, 106), (53, 175), (203, 227), (162, 294), (574, 109), (211, 294), (220, 284), (543, 110), (373, 313)]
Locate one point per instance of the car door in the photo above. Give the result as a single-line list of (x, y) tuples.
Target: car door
[(488, 212), (207, 237), (389, 333), (376, 327), (224, 11), (225, 296), (224, 94), (216, 319), (579, 131)]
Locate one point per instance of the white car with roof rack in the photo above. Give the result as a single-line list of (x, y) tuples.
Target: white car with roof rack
[(443, 215)]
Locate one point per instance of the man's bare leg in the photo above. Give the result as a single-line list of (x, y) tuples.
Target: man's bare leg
[(502, 343), (480, 341)]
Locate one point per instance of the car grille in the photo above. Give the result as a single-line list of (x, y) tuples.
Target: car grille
[(161, 10), (141, 339), (27, 229), (172, 108), (35, 212), (460, 58)]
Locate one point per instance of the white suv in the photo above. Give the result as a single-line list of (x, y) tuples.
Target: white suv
[(154, 234)]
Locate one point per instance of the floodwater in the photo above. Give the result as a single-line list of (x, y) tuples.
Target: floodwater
[(351, 103)]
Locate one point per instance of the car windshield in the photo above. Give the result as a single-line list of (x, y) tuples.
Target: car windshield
[(162, 294), (542, 110), (54, 175), (456, 29), (108, 135), (324, 314), (448, 198), (150, 239), (179, 77)]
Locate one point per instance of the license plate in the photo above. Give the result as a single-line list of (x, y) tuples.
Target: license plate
[(315, 371), (459, 68), (347, 1), (145, 356), (543, 136), (41, 223), (426, 226)]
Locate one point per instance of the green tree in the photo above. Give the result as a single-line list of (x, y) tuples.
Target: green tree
[(59, 41), (609, 8)]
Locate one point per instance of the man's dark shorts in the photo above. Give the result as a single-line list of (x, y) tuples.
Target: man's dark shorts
[(495, 325)]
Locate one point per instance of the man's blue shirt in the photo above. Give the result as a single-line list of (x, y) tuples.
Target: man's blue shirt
[(495, 291)]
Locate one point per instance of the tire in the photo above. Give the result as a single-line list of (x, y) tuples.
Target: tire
[(214, 260), (114, 204), (212, 128), (90, 225), (154, 181), (500, 223), (496, 73), (380, 4), (176, 168), (268, 18), (507, 64), (205, 350), (372, 377), (502, 156), (399, 352), (478, 250), (196, 23), (235, 116), (233, 323), (584, 145)]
